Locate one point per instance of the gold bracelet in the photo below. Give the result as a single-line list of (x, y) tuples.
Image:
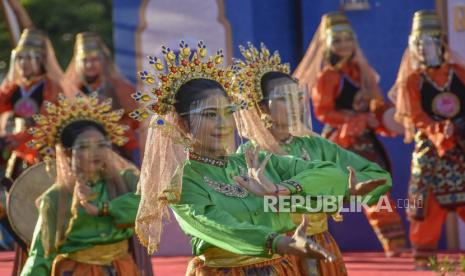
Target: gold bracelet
[(104, 210), (269, 242)]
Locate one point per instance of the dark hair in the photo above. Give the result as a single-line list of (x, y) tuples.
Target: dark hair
[(72, 131), (272, 79), (194, 90)]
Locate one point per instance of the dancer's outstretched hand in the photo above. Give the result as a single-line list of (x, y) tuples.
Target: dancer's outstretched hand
[(302, 246), (362, 188), (256, 182)]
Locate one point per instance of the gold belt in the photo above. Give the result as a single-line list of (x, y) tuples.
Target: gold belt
[(216, 257), (318, 222), (103, 254)]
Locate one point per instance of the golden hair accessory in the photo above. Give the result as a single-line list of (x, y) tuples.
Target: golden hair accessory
[(426, 22), (176, 69), (255, 66), (31, 40), (88, 43), (334, 22), (47, 132)]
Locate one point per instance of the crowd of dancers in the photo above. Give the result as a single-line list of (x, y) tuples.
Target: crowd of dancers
[(220, 142)]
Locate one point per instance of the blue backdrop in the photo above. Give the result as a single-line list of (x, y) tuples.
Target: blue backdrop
[(288, 26)]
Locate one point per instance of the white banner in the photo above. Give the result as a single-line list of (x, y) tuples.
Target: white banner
[(456, 31), (169, 21)]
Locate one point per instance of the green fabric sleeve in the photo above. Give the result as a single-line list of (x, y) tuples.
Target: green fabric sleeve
[(365, 170), (37, 263), (316, 178), (124, 208), (198, 216)]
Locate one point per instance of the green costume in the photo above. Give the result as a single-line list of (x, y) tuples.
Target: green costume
[(86, 230), (216, 212), (314, 148)]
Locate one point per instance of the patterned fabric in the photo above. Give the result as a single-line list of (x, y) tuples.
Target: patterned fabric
[(387, 225), (443, 176), (284, 266), (226, 188), (312, 267), (122, 266)]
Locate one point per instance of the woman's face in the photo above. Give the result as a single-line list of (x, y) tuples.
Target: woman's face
[(279, 118), (27, 64), (91, 66), (430, 50), (342, 44), (89, 152), (211, 124), (285, 107)]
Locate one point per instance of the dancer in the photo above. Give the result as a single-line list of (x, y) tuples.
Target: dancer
[(216, 195), (430, 100), (86, 218), (347, 98), (92, 69), (284, 111), (32, 79)]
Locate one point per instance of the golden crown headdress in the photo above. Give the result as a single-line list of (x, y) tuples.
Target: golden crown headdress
[(426, 22), (31, 40), (175, 70), (89, 43), (255, 66), (49, 127), (334, 22)]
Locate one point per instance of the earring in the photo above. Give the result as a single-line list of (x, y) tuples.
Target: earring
[(266, 119)]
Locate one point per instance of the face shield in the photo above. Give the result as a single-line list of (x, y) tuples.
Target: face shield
[(27, 64), (428, 49), (89, 155), (341, 43), (211, 125), (289, 109), (90, 65)]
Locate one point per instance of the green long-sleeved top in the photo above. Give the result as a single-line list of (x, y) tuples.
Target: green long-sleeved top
[(313, 148), (318, 148), (86, 230), (216, 212)]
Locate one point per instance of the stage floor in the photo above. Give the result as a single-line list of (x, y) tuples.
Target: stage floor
[(358, 263)]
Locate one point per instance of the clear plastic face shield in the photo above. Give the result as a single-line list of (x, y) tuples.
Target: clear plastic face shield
[(289, 109), (341, 41), (211, 125), (428, 49), (27, 63), (90, 65), (89, 154)]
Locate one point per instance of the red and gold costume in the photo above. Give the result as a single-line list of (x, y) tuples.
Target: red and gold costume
[(25, 97), (24, 105), (346, 97), (109, 84), (430, 100)]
